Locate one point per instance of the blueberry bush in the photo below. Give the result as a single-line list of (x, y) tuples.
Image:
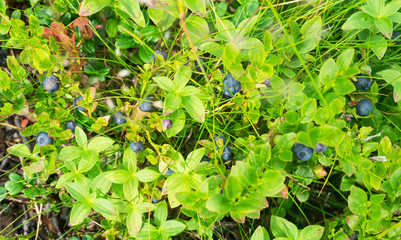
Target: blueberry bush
[(200, 119)]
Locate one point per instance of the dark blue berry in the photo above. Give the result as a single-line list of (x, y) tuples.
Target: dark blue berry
[(267, 83), (76, 103), (205, 159), (231, 86), (43, 139), (137, 146), (228, 154), (167, 123), (120, 118), (363, 84), (302, 152), (169, 172), (157, 52), (396, 37), (320, 147), (364, 107), (71, 125), (146, 105), (51, 84), (220, 141)]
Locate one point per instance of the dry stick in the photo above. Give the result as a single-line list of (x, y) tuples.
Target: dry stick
[(57, 227), (184, 26)]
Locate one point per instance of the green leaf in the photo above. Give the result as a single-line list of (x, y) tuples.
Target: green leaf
[(194, 158), (359, 20), (161, 213), (100, 144), (171, 227), (218, 203), (67, 177), (226, 29), (178, 119), (101, 183), (14, 187), (90, 7), (160, 18), (130, 161), (312, 28), (280, 227), (195, 107), (232, 59), (385, 26), (197, 6), (164, 83), (358, 201), (130, 188), (271, 183), (34, 167), (377, 5), (147, 175), (378, 45), (313, 232), (118, 176), (345, 59), (134, 11), (247, 174), (3, 193), (80, 137), (343, 86), (328, 73), (390, 8), (181, 77), (260, 234), (77, 191), (172, 102), (88, 160), (268, 42), (41, 60), (134, 222), (69, 153), (19, 150), (79, 212), (198, 29), (111, 27), (105, 207)]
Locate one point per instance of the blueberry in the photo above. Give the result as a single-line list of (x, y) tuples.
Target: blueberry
[(197, 67), (167, 123), (364, 107), (169, 172), (231, 86), (320, 147), (220, 141), (43, 139), (157, 52), (51, 84), (267, 83), (396, 37), (70, 125), (76, 102), (120, 118), (363, 84), (137, 146), (146, 105), (228, 154), (302, 152), (205, 159)]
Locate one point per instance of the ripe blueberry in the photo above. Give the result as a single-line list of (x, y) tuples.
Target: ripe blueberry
[(363, 84), (228, 154), (167, 123), (76, 102), (364, 107), (169, 172), (71, 125), (267, 83), (320, 147), (120, 118), (51, 84), (137, 146), (302, 152), (146, 105), (220, 141), (231, 86), (157, 52), (43, 139), (396, 37)]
